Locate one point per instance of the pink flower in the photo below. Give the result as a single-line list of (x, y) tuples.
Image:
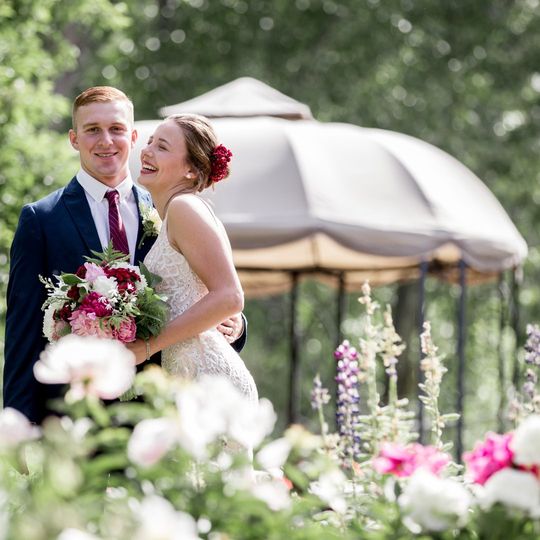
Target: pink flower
[(88, 324), (403, 460), (95, 303), (126, 332), (488, 457), (93, 271)]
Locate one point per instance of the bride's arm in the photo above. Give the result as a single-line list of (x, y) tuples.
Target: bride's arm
[(194, 232)]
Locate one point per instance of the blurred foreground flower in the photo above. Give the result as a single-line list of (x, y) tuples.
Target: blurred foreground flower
[(158, 520), (207, 409), (434, 504), (91, 366), (514, 489), (526, 442), (15, 428)]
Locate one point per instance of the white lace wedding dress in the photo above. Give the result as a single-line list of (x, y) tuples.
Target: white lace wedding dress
[(209, 352)]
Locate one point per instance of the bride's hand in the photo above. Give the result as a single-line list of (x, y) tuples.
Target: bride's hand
[(138, 348), (232, 328)]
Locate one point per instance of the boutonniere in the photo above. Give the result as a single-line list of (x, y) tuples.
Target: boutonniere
[(151, 222)]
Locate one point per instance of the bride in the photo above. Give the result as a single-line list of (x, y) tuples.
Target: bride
[(192, 253)]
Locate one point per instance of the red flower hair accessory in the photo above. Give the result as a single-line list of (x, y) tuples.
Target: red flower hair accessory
[(219, 163)]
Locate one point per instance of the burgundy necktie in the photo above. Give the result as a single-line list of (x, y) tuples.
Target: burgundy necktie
[(117, 230)]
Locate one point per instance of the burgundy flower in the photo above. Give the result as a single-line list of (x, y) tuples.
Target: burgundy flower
[(63, 314), (81, 272), (96, 304), (220, 163), (73, 292), (122, 275)]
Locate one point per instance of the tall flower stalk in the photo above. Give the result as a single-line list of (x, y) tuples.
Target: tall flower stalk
[(319, 398), (433, 369)]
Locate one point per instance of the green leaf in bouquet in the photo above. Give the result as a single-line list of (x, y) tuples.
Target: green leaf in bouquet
[(151, 278), (107, 256), (71, 279)]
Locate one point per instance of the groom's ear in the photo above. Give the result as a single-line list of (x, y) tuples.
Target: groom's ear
[(134, 136), (73, 139)]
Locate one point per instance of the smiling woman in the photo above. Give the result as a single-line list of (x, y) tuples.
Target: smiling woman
[(192, 253)]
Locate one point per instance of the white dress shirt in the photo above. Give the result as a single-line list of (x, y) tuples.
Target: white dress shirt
[(99, 206)]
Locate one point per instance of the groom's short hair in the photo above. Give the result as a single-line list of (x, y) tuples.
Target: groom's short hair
[(100, 94)]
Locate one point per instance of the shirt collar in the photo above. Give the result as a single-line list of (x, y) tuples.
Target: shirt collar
[(97, 189)]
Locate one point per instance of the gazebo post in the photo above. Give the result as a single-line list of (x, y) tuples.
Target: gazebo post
[(340, 307), (515, 320), (461, 357), (421, 317), (294, 373), (502, 292)]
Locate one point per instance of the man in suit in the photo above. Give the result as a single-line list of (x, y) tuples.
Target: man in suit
[(55, 233)]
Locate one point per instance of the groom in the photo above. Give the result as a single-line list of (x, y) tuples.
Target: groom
[(55, 233)]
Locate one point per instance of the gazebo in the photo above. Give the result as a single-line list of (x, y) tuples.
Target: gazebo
[(343, 203)]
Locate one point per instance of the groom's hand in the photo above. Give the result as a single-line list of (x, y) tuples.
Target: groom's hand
[(232, 328)]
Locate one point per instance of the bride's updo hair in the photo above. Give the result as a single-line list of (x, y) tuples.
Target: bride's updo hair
[(209, 159)]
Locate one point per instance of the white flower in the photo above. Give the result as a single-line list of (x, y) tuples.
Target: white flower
[(15, 428), (92, 366), (526, 442), (202, 408), (433, 503), (151, 440), (48, 323), (252, 422), (106, 286), (512, 488), (273, 455), (330, 488), (160, 521), (76, 534), (274, 493)]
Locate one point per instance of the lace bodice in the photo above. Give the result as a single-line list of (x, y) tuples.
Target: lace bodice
[(209, 352)]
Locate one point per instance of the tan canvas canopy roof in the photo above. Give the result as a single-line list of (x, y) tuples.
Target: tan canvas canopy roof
[(330, 197)]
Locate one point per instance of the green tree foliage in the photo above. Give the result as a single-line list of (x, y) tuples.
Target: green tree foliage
[(34, 157)]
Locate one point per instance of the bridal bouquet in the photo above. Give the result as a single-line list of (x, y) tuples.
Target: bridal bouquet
[(107, 297)]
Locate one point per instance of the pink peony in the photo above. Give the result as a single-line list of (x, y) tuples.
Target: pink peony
[(403, 460), (126, 332), (488, 457), (95, 303), (93, 271), (88, 324)]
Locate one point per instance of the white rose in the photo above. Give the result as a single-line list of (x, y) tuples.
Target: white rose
[(526, 442), (512, 488), (433, 503)]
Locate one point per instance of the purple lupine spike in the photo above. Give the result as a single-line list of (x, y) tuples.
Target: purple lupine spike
[(532, 346), (347, 408)]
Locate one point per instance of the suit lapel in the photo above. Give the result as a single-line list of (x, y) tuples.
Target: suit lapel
[(74, 198)]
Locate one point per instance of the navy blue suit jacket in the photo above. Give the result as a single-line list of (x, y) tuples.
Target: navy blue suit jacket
[(53, 236)]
